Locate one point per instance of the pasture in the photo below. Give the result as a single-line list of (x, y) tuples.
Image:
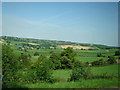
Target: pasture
[(61, 76)]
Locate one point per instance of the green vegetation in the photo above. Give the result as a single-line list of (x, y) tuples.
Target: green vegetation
[(62, 75), (79, 71), (42, 69), (91, 83), (42, 44), (67, 58), (26, 64)]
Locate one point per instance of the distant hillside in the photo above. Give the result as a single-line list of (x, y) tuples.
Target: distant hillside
[(49, 43)]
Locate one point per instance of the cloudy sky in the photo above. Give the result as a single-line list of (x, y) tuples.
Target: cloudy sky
[(84, 22)]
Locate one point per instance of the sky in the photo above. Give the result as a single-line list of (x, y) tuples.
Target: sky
[(83, 22)]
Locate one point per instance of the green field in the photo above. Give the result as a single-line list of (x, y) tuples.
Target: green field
[(110, 70), (61, 76), (95, 83), (91, 59)]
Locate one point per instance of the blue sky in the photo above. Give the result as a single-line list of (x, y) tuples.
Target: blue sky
[(84, 22)]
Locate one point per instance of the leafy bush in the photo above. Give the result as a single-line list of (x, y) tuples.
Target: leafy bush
[(8, 62), (24, 60), (43, 70), (111, 60), (55, 60), (24, 75), (10, 65), (98, 63), (67, 58), (117, 53), (99, 55), (79, 72), (36, 54)]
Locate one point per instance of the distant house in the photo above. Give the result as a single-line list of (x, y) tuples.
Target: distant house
[(20, 48), (24, 48), (51, 47), (31, 48)]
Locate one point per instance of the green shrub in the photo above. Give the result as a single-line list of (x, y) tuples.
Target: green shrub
[(9, 60), (99, 55), (24, 75), (24, 60), (117, 53), (43, 70), (79, 71), (10, 65), (100, 62), (55, 60), (111, 60), (67, 58), (36, 54)]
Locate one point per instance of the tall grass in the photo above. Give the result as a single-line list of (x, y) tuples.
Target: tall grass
[(90, 59), (61, 75), (111, 70), (92, 83)]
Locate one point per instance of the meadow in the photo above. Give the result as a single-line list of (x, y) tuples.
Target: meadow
[(101, 76), (61, 76)]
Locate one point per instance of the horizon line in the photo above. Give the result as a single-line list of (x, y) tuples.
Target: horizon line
[(57, 40)]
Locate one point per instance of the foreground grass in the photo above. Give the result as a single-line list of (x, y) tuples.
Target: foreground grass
[(111, 70), (61, 77), (91, 83)]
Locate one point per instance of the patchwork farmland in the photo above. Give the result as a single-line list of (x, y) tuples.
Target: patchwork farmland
[(58, 64)]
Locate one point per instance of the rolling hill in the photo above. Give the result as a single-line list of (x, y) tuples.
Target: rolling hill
[(40, 43)]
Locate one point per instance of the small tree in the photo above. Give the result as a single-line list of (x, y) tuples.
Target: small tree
[(43, 70), (117, 53), (111, 60), (29, 56), (24, 60), (36, 54), (55, 59), (99, 55), (10, 65), (68, 58), (80, 71)]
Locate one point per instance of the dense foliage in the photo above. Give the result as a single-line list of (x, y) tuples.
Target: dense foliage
[(117, 53), (79, 71), (55, 60), (43, 70), (101, 62), (67, 58), (36, 54), (10, 65)]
